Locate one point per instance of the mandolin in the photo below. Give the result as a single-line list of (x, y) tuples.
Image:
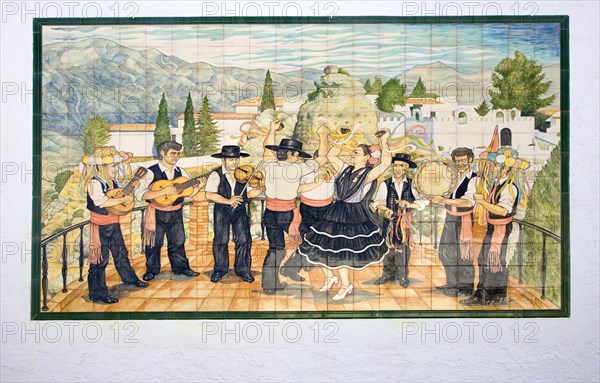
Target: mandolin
[(184, 186), (125, 208)]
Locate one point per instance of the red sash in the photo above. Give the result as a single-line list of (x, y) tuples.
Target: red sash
[(98, 220), (493, 261), (316, 202), (280, 205), (466, 232), (150, 223)]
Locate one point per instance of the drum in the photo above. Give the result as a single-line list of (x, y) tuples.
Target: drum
[(435, 177)]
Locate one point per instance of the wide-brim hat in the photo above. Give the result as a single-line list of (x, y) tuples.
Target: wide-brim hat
[(289, 144), (404, 158), (230, 151)]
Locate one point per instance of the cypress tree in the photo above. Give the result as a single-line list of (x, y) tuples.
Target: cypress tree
[(268, 100), (207, 131), (189, 129), (162, 132)]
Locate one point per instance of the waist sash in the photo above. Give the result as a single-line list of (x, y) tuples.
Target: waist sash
[(98, 220)]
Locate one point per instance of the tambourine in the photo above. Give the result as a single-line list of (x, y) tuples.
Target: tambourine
[(435, 177)]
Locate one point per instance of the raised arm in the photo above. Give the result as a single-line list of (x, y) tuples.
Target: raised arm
[(303, 188), (333, 156), (323, 133), (269, 154), (386, 158)]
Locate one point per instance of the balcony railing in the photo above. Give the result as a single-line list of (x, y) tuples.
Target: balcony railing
[(434, 209)]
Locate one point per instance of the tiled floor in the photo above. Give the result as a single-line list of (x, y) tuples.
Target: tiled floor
[(169, 292)]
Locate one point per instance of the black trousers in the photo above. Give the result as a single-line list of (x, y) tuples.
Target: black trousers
[(276, 224), (225, 218), (310, 216), (171, 224), (460, 274), (111, 240), (395, 263), (492, 285)]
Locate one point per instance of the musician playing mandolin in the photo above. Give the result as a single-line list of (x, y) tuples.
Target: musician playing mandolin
[(99, 174), (229, 187), (161, 220)]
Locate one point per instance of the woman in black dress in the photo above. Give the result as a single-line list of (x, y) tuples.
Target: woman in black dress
[(349, 237)]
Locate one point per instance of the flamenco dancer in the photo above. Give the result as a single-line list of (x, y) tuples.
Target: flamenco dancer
[(316, 196), (348, 236), (283, 169)]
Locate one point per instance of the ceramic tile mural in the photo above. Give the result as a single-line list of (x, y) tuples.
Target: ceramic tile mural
[(346, 167)]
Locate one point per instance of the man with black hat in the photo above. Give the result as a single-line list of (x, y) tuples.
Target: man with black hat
[(283, 171), (395, 197), (229, 197)]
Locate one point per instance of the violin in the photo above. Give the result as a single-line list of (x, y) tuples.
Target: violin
[(246, 173)]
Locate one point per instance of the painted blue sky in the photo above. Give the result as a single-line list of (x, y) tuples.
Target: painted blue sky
[(363, 49)]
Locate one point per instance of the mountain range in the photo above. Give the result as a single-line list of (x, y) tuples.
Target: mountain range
[(124, 85)]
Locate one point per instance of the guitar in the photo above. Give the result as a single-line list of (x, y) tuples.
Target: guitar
[(184, 186), (125, 208)]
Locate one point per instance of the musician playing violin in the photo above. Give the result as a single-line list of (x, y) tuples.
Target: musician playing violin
[(161, 220), (229, 187)]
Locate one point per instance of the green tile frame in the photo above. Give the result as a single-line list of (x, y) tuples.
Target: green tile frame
[(564, 311)]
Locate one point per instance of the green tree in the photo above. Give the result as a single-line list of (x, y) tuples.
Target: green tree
[(162, 132), (268, 100), (189, 129), (368, 86), (519, 83), (421, 92), (95, 134), (544, 210), (483, 109), (376, 86), (392, 93), (207, 131)]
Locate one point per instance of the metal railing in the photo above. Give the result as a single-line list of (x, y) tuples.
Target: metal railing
[(434, 228)]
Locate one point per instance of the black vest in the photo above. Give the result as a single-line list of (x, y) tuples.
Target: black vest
[(496, 198), (160, 175), (91, 206), (224, 190), (460, 191), (392, 196)]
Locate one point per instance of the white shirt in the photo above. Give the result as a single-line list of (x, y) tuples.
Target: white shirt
[(507, 200), (282, 178), (471, 188), (149, 177), (95, 192), (382, 192), (212, 183), (321, 192)]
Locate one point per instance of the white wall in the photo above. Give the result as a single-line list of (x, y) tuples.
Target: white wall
[(138, 143), (246, 109), (409, 350)]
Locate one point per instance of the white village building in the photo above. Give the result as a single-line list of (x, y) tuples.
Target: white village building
[(450, 125), (231, 123), (138, 138)]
